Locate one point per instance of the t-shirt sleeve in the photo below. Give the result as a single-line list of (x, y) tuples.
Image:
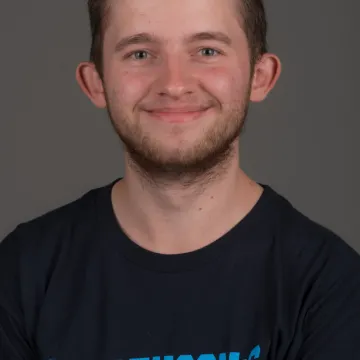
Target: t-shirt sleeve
[(331, 330), (14, 342)]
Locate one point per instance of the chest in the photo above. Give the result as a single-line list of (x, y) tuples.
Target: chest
[(212, 315)]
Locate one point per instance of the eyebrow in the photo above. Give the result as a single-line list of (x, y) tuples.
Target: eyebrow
[(141, 38), (210, 35), (147, 38)]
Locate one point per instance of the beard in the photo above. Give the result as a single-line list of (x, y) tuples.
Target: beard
[(206, 158)]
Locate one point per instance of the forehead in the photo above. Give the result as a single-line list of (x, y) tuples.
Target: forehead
[(169, 18)]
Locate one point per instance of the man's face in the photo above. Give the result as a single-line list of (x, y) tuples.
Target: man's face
[(178, 90)]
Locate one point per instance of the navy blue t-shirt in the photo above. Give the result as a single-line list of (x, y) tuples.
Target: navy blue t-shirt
[(277, 286)]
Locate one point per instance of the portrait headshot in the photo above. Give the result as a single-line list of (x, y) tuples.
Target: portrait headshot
[(180, 180)]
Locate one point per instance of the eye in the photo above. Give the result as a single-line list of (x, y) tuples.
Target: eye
[(139, 55), (209, 52)]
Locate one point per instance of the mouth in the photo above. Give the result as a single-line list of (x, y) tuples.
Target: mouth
[(177, 115)]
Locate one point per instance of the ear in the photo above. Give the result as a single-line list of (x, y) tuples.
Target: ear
[(91, 84), (266, 73)]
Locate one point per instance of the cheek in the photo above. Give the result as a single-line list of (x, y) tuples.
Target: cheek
[(128, 86), (227, 86)]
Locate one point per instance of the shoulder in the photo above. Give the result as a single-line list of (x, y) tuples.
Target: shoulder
[(313, 261), (31, 253), (43, 239), (61, 222), (318, 274), (55, 223), (306, 241)]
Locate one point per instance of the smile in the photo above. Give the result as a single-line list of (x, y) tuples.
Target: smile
[(177, 115)]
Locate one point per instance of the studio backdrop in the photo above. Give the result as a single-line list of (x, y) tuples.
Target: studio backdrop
[(303, 140)]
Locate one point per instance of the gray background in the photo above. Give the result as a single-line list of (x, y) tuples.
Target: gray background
[(54, 145)]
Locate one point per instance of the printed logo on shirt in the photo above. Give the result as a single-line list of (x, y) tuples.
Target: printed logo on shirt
[(254, 354)]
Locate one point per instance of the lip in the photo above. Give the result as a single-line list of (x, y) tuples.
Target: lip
[(177, 115)]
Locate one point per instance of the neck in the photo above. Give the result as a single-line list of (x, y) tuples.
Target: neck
[(182, 216)]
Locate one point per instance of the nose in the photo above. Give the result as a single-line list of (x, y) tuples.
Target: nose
[(175, 78)]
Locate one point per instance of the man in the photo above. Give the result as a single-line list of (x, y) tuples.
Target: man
[(185, 257)]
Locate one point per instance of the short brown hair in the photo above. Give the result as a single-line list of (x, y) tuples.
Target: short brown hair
[(252, 13)]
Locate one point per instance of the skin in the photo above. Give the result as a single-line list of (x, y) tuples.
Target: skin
[(179, 105)]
